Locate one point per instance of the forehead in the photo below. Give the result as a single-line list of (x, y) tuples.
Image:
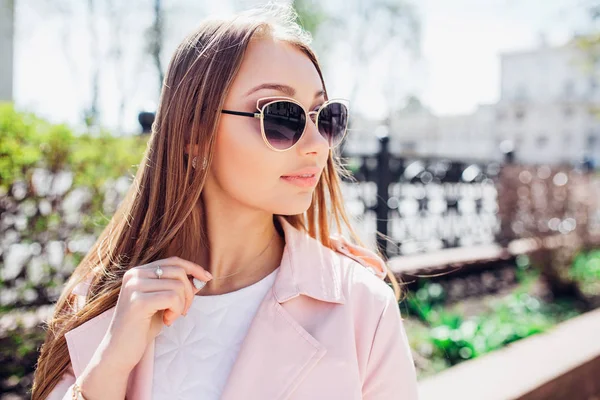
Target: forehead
[(272, 61)]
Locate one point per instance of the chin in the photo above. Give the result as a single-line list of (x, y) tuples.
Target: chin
[(295, 206)]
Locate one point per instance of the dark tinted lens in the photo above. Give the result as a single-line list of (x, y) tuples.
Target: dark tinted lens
[(284, 123), (333, 120)]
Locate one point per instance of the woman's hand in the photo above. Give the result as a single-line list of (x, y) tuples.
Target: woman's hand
[(145, 303)]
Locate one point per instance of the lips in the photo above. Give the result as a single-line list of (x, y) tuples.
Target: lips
[(304, 173), (299, 176), (306, 177)]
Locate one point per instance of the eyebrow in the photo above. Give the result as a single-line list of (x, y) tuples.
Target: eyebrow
[(288, 90)]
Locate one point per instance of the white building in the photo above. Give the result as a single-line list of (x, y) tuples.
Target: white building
[(457, 136), (7, 18), (548, 104), (547, 109), (417, 131)]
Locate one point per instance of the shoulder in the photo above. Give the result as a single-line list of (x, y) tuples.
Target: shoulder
[(369, 303), (362, 274)]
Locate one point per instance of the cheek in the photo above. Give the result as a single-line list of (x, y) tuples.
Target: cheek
[(246, 170), (244, 167), (241, 157)]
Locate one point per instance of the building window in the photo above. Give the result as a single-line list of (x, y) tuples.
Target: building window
[(519, 140), (409, 146), (520, 114), (500, 115), (569, 88), (521, 93), (592, 139), (541, 141), (568, 111)]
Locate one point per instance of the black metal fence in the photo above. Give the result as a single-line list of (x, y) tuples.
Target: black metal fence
[(421, 204)]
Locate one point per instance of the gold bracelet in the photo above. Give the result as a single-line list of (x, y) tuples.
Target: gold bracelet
[(77, 392)]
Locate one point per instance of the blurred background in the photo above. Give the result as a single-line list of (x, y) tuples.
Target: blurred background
[(474, 145)]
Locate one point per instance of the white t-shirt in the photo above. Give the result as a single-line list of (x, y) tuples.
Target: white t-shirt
[(194, 356)]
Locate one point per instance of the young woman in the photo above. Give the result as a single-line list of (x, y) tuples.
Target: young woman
[(220, 276)]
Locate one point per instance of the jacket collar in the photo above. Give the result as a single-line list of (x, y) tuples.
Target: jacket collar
[(307, 268)]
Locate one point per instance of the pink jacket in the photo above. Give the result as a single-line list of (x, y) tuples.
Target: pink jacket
[(330, 328)]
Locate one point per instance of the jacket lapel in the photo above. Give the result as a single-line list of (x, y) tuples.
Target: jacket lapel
[(275, 357), (278, 353)]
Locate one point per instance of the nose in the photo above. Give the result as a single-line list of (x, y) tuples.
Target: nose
[(312, 142)]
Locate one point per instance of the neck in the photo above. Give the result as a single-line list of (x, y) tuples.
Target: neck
[(245, 244)]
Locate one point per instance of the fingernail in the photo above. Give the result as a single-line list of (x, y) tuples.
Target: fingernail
[(198, 284), (208, 274)]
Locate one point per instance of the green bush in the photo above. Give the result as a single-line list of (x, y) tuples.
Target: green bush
[(95, 168), (586, 272), (29, 142)]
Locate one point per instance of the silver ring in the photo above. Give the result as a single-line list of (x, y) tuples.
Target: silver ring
[(158, 271)]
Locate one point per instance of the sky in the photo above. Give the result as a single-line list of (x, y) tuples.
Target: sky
[(459, 67), (463, 40)]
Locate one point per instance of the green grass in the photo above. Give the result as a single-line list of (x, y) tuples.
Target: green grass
[(443, 336)]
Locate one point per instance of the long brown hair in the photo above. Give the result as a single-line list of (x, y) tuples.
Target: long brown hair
[(162, 211)]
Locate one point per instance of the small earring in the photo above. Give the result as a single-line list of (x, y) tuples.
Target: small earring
[(194, 162)]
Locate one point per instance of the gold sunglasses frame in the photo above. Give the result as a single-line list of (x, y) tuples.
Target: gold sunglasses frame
[(271, 100)]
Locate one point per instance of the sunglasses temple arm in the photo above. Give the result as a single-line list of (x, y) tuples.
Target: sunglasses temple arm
[(241, 113)]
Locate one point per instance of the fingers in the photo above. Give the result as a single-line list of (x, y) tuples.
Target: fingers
[(169, 273), (167, 300), (175, 277), (148, 285), (189, 267)]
